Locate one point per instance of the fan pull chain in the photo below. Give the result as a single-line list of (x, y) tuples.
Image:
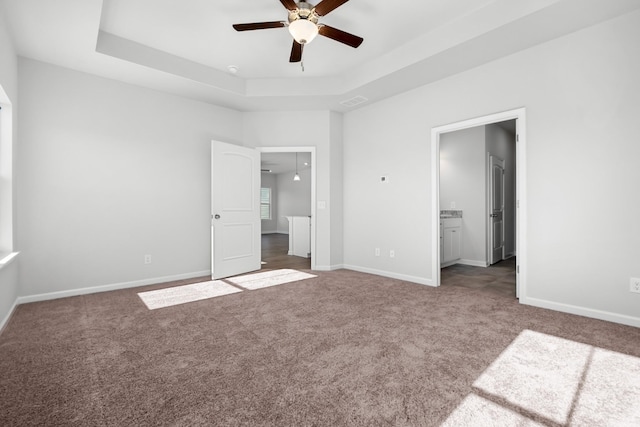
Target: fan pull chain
[(301, 60), (302, 65)]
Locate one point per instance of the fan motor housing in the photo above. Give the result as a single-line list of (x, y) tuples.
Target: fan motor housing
[(304, 11)]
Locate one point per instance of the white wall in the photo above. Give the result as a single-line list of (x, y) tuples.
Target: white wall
[(269, 181), (462, 181), (294, 197), (109, 172), (274, 129), (336, 177), (580, 94), (502, 143), (9, 114)]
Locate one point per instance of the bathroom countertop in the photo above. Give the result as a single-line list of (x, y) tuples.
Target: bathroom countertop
[(451, 213)]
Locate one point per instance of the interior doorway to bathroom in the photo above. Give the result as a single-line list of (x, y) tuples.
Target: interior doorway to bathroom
[(468, 159)]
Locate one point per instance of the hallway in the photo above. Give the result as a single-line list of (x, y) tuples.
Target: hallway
[(274, 254)]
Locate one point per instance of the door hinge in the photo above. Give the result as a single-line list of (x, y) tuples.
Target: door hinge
[(517, 138), (517, 269)]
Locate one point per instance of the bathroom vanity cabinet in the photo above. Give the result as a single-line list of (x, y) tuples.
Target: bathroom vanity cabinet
[(450, 240)]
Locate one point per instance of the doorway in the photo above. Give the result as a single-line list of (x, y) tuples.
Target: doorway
[(520, 197), (288, 176)]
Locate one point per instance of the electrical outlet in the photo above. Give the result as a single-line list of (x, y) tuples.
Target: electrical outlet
[(634, 285), (147, 259), (377, 251), (392, 253)]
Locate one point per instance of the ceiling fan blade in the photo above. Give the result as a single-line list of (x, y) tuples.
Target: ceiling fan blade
[(326, 6), (258, 25), (289, 4), (296, 52), (340, 36)]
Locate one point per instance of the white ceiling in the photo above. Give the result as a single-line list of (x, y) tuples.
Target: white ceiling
[(185, 46)]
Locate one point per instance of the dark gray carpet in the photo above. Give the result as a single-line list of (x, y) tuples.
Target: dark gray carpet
[(344, 348)]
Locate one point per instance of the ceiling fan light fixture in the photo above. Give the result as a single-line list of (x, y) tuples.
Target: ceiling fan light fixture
[(303, 30)]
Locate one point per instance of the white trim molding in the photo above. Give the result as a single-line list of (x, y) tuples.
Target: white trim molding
[(329, 267), (5, 321), (391, 275), (111, 287), (472, 262), (583, 311)]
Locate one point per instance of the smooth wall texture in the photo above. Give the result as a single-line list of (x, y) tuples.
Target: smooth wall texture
[(294, 197), (580, 94), (8, 95), (8, 63), (275, 129), (336, 180), (109, 172), (463, 183)]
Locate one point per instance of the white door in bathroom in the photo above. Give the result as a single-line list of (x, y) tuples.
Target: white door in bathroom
[(496, 209)]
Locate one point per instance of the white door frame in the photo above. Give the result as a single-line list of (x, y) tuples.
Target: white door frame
[(311, 150), (521, 188)]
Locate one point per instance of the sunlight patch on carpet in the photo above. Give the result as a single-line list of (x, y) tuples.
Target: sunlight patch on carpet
[(269, 278), (477, 411), (539, 373), (187, 293), (611, 391), (557, 382)]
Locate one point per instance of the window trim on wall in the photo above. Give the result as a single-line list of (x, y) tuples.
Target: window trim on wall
[(268, 203)]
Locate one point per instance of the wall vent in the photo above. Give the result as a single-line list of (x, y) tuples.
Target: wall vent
[(352, 102)]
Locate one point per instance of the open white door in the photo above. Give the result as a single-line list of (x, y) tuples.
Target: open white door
[(235, 210), (496, 209)]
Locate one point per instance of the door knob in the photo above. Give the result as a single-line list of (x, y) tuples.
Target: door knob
[(493, 215), (217, 216)]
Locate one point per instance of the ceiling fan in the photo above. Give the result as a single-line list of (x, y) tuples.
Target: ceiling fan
[(303, 25)]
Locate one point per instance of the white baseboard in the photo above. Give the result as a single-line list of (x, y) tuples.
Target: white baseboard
[(112, 287), (473, 263), (8, 316), (390, 274), (329, 267), (582, 311)]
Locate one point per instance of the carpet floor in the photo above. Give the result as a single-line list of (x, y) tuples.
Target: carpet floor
[(340, 349)]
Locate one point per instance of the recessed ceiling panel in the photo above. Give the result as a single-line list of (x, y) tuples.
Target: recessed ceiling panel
[(201, 31)]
